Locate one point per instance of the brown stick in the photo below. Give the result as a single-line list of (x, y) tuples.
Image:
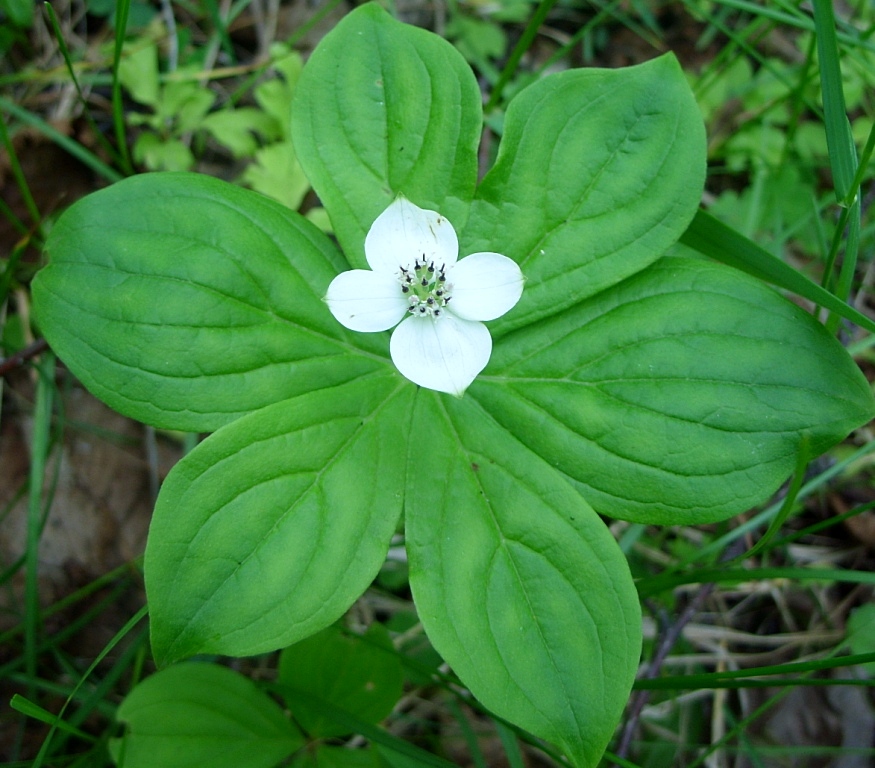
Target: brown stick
[(9, 364)]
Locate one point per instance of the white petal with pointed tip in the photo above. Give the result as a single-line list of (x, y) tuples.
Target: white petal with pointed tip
[(485, 286), (444, 354), (405, 232), (366, 301)]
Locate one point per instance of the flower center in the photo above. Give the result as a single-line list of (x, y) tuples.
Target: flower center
[(426, 288)]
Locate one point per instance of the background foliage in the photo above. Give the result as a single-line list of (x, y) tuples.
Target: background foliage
[(185, 88)]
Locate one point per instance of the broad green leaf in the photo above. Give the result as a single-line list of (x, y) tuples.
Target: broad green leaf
[(519, 584), (185, 302), (384, 108), (361, 675), (194, 715), (271, 528), (598, 172), (680, 396)]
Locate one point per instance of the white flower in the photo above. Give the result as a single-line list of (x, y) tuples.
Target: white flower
[(417, 277)]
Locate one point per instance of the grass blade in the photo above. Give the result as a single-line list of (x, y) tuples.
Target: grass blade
[(715, 239)]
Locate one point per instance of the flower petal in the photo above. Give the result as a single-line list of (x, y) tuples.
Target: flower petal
[(444, 354), (367, 301), (405, 232), (485, 286)]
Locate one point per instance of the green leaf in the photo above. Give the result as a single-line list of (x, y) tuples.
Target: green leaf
[(519, 584), (158, 154), (185, 103), (271, 528), (193, 715), (236, 129), (598, 172), (680, 396), (185, 302), (138, 72), (361, 675), (384, 108), (19, 12), (277, 173), (275, 96)]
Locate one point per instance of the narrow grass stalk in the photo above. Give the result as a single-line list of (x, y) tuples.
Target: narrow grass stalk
[(788, 506), (840, 144), (822, 525), (762, 518), (18, 175), (380, 738), (470, 738), (26, 707), (65, 142), (718, 241), (322, 12), (740, 727), (42, 420), (17, 224), (665, 582), (73, 628), (796, 20), (65, 53), (221, 27), (861, 169), (123, 8), (737, 678), (44, 749), (518, 52), (510, 744), (604, 13)]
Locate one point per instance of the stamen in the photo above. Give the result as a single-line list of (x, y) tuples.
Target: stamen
[(425, 287)]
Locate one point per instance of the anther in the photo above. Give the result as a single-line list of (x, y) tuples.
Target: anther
[(405, 289), (431, 267)]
